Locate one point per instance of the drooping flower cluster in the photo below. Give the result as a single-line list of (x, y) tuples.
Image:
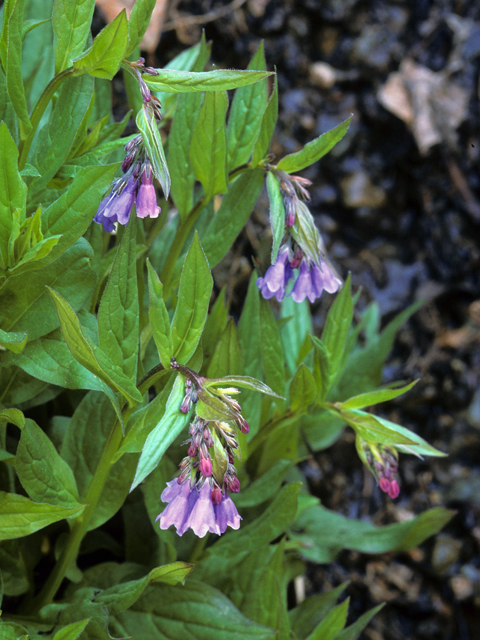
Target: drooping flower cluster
[(198, 499), (135, 186), (299, 258), (383, 463)]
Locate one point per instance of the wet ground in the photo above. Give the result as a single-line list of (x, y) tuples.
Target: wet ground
[(398, 204)]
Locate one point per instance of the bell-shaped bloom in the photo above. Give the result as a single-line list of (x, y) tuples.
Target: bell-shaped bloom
[(146, 202), (276, 277), (312, 280), (117, 206), (192, 508)]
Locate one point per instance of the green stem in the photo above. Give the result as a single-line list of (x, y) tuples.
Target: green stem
[(183, 231), (38, 112), (80, 524)]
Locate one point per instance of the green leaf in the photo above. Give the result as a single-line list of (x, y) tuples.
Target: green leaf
[(72, 213), (118, 322), (227, 358), (11, 56), (294, 331), (246, 114), (232, 215), (42, 472), (171, 424), (148, 127), (15, 416), (192, 306), (195, 608), (103, 58), (170, 80), (138, 23), (272, 522), (314, 150), (24, 302), (354, 630), (71, 631), (159, 320), (208, 154), (12, 192), (91, 356), (302, 390), (335, 332), (15, 575), (267, 127), (87, 434), (124, 595), (71, 28), (375, 397), (57, 136), (21, 517), (265, 487), (333, 622), (14, 341), (322, 534), (312, 610), (277, 213), (180, 140)]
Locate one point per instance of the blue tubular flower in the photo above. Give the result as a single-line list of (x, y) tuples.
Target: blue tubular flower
[(276, 277), (192, 508), (313, 280), (117, 206)]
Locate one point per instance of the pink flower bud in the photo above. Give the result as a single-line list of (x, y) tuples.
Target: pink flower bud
[(234, 486), (394, 490), (192, 451), (385, 485), (206, 467), (216, 496)]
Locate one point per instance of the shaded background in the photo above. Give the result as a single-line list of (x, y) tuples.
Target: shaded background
[(398, 205)]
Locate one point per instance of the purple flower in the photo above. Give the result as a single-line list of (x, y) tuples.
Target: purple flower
[(312, 280), (276, 277), (117, 206), (147, 198), (192, 508)]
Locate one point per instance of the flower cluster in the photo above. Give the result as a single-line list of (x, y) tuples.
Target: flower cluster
[(383, 463), (198, 499), (299, 258)]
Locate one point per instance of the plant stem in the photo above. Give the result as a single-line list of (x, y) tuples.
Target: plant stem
[(80, 524), (183, 231), (38, 112)]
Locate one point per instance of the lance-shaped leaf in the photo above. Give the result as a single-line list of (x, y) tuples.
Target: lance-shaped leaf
[(246, 113), (172, 81), (314, 150), (122, 596), (302, 389), (21, 516), (44, 475), (159, 320), (118, 321), (138, 23), (227, 358), (277, 213), (232, 215), (91, 356), (208, 152), (332, 624), (71, 27), (14, 341), (103, 58), (305, 232), (245, 382), (311, 611), (71, 631), (192, 305), (15, 416), (147, 126), (375, 397), (171, 424), (267, 127), (381, 431), (12, 192), (11, 56)]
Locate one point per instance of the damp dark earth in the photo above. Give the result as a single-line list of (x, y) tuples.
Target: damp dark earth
[(398, 205)]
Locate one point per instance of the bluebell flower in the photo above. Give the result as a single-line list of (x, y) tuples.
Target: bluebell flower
[(201, 509), (276, 277), (146, 203), (312, 280)]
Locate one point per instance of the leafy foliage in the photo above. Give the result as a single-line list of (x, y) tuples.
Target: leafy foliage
[(108, 341)]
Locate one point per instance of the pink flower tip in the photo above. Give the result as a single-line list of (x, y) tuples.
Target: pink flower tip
[(216, 496), (385, 485), (394, 490), (206, 467)]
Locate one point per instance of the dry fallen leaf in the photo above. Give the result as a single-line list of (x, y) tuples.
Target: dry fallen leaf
[(111, 9)]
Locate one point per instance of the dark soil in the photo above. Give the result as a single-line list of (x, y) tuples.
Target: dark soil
[(406, 225)]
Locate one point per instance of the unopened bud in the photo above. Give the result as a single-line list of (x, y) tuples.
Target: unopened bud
[(192, 451), (234, 486), (385, 485), (216, 496), (206, 467), (394, 490)]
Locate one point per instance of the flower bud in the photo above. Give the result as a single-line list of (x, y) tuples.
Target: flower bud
[(216, 496), (205, 467)]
